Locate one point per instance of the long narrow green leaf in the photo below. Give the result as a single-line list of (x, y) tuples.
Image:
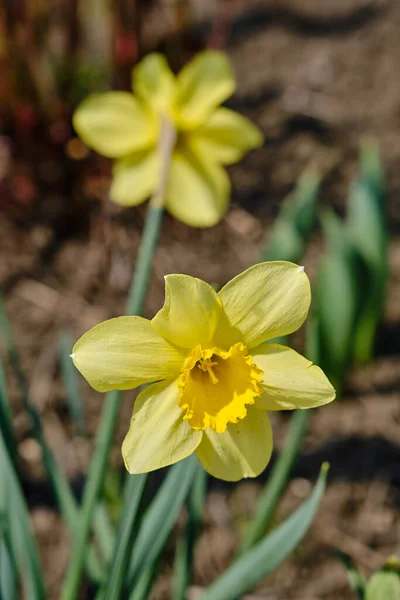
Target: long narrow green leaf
[(70, 378), (161, 516), (5, 417), (337, 301), (268, 554), (185, 545), (58, 480), (356, 580), (104, 532), (8, 567), (277, 481), (23, 546), (367, 229), (124, 543), (141, 591), (288, 237)]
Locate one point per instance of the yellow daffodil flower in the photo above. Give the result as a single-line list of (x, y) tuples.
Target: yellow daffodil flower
[(127, 127), (216, 377)]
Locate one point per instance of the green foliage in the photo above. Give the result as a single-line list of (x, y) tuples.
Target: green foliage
[(356, 579), (290, 232), (267, 555), (367, 232), (382, 585), (336, 301), (353, 273)]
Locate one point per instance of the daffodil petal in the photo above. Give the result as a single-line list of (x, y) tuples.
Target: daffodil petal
[(158, 435), (122, 353), (267, 300), (243, 450), (114, 124), (202, 85), (190, 313), (198, 193), (226, 136), (134, 178), (154, 82), (290, 381)]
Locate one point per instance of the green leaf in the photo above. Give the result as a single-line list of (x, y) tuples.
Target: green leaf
[(336, 301), (22, 543), (367, 230), (8, 568), (125, 537), (57, 477), (268, 554), (354, 576), (185, 545), (161, 516), (6, 427), (295, 221), (277, 481), (69, 373)]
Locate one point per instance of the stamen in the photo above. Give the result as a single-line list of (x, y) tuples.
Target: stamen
[(206, 365)]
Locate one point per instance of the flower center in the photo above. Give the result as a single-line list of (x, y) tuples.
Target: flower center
[(216, 385)]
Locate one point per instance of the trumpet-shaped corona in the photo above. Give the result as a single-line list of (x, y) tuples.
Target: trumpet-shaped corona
[(216, 385)]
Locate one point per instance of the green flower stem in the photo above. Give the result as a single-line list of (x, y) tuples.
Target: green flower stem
[(110, 412), (277, 480)]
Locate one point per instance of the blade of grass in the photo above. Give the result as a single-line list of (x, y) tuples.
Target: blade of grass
[(185, 546), (8, 567), (110, 411), (104, 532), (23, 544), (125, 535), (69, 374), (6, 427), (161, 516), (288, 236), (143, 583), (268, 554), (60, 485), (356, 580), (277, 481)]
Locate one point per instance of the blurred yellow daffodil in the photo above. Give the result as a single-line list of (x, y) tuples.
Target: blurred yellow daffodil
[(216, 377), (127, 128)]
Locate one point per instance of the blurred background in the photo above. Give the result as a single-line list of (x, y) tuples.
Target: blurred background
[(316, 77)]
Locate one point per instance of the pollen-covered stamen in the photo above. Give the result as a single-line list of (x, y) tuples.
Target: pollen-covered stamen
[(216, 386), (206, 365)]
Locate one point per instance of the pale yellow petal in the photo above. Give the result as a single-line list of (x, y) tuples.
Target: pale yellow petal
[(154, 82), (114, 124), (158, 435), (290, 381), (203, 84), (198, 193), (123, 353), (243, 450), (267, 300), (134, 178), (190, 313), (226, 136)]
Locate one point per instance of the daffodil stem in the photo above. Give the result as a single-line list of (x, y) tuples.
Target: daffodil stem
[(277, 480), (110, 412)]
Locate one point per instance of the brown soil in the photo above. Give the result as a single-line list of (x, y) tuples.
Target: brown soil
[(315, 80)]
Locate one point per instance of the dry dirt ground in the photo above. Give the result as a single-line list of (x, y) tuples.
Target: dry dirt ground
[(315, 77)]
